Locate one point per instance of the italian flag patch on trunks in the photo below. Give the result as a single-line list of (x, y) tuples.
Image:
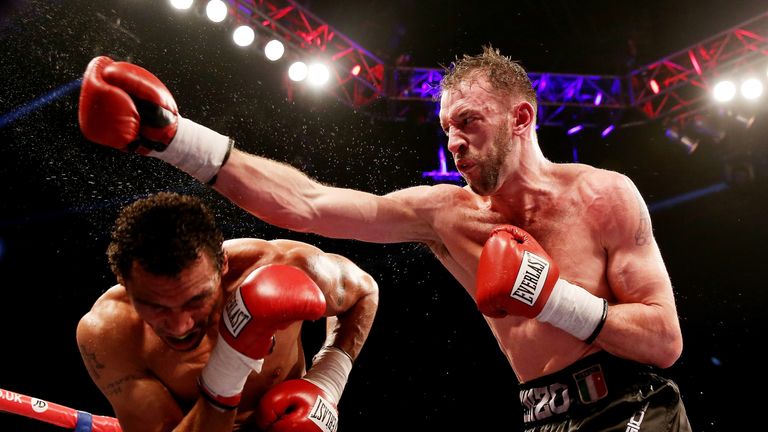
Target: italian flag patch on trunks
[(591, 384)]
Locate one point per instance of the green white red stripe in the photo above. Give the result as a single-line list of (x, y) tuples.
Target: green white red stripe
[(591, 384)]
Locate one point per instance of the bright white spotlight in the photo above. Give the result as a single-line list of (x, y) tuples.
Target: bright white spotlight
[(724, 91), (181, 4), (216, 10), (297, 71), (751, 88), (318, 74), (274, 50), (243, 35)]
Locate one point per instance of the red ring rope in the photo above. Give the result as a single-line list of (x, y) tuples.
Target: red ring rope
[(56, 414)]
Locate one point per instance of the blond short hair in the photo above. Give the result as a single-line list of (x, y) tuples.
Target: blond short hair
[(504, 74)]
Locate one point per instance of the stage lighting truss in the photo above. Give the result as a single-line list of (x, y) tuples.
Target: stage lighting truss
[(685, 80), (676, 86), (356, 76), (563, 99)]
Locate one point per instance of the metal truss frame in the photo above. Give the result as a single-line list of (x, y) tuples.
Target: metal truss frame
[(569, 99), (300, 29), (682, 79), (564, 99)]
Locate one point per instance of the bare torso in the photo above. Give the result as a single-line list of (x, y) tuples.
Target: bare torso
[(566, 223), (178, 371)]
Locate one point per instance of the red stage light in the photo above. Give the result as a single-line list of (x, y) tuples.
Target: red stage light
[(654, 86)]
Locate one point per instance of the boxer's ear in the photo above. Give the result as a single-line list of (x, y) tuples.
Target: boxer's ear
[(225, 263), (523, 116)]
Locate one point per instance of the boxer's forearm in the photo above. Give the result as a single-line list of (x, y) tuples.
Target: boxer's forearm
[(283, 196), (648, 334), (274, 192)]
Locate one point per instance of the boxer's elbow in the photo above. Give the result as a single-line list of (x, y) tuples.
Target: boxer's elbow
[(670, 347), (368, 295), (372, 292)]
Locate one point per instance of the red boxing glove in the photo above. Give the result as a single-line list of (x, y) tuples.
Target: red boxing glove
[(126, 107), (270, 299), (297, 406), (516, 276), (512, 259)]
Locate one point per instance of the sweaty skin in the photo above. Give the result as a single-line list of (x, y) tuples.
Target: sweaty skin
[(152, 386), (592, 222)]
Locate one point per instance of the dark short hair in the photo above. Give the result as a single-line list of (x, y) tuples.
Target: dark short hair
[(164, 233), (503, 73)]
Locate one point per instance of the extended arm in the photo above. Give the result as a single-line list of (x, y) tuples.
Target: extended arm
[(284, 196), (126, 107)]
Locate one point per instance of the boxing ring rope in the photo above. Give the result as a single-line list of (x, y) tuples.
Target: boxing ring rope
[(59, 415)]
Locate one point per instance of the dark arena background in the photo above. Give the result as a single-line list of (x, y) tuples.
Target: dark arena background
[(618, 82)]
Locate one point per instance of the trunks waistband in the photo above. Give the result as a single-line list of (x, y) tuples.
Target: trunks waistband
[(577, 389)]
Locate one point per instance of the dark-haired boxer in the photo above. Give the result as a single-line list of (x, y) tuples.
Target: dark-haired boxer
[(201, 334), (584, 325)]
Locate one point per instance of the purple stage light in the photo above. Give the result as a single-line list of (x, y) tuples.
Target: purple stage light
[(443, 174), (607, 131)]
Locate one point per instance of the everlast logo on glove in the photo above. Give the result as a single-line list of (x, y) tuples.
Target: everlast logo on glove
[(236, 314), (323, 415), (530, 279)]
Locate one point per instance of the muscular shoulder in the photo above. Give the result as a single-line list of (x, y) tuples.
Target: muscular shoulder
[(593, 182), (112, 323), (594, 188), (337, 276), (247, 254), (612, 201), (247, 251), (311, 259)]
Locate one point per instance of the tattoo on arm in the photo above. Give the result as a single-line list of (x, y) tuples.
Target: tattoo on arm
[(643, 233), (91, 363), (116, 387)]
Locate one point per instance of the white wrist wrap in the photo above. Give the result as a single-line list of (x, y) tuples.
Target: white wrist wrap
[(196, 150), (330, 370), (227, 370), (573, 309)]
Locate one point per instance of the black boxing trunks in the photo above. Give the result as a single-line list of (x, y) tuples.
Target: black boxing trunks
[(602, 392)]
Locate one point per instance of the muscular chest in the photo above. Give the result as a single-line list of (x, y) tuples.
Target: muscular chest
[(562, 231)]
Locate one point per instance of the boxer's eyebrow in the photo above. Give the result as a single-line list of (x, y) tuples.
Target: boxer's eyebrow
[(198, 297)]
